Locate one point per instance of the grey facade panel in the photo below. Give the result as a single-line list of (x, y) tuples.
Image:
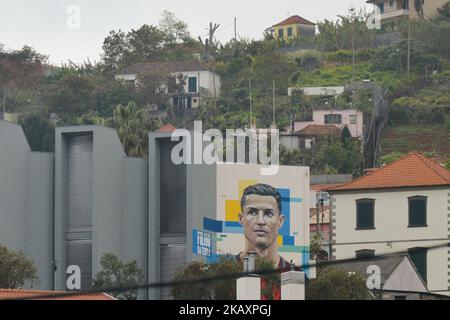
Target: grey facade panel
[(26, 200)]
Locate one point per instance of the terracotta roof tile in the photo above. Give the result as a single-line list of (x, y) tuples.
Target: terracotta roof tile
[(167, 128), (294, 20), (319, 130), (320, 187), (413, 170), (22, 293)]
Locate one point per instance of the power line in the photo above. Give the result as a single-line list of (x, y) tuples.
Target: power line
[(215, 278)]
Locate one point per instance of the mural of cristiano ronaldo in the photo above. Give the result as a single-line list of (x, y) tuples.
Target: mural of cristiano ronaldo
[(261, 219)]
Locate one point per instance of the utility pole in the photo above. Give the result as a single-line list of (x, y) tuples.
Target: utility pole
[(409, 49), (235, 29), (251, 103), (273, 103), (4, 100)]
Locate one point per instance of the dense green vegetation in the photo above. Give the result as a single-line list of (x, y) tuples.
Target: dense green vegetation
[(47, 96)]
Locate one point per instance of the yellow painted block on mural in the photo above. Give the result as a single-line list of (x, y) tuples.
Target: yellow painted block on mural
[(232, 210), (280, 240), (244, 184)]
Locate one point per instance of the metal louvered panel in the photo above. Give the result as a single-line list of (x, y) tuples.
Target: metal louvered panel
[(79, 253), (173, 193), (172, 257), (79, 182), (79, 205)]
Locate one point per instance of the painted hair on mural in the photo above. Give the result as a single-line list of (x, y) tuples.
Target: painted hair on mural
[(261, 190)]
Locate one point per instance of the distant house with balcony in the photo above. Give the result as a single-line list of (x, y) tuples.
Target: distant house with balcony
[(293, 28), (197, 81), (392, 10)]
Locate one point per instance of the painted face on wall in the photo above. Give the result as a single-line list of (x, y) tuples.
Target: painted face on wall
[(261, 220)]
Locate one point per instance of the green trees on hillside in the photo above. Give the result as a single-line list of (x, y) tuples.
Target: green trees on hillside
[(15, 269)]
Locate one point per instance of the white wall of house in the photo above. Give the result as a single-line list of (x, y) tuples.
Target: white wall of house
[(391, 233), (205, 79)]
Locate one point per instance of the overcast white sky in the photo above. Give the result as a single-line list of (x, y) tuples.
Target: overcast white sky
[(42, 24)]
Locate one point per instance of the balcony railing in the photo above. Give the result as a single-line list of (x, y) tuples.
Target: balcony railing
[(395, 14)]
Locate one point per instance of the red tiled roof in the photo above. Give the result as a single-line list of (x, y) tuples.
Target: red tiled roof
[(21, 294), (294, 20), (167, 128), (413, 170), (320, 187), (319, 130)]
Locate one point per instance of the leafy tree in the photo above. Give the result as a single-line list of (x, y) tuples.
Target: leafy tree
[(346, 31), (390, 157), (337, 284), (444, 11), (108, 93), (15, 269), (447, 164), (222, 289), (175, 30), (123, 49), (315, 245), (116, 273), (69, 93), (21, 68), (40, 132), (346, 136), (269, 67), (346, 159)]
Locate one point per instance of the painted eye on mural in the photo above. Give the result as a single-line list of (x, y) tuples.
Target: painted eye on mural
[(269, 213)]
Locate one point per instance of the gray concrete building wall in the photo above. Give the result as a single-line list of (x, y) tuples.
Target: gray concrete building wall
[(26, 200), (119, 207), (201, 200)]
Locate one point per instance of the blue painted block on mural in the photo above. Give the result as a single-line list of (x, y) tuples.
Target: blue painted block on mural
[(212, 225), (286, 211), (288, 241), (232, 224)]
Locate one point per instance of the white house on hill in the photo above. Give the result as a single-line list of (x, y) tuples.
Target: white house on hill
[(401, 207)]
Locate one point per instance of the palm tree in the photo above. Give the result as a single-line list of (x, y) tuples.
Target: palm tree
[(132, 125)]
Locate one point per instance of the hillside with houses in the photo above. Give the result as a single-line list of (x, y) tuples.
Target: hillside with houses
[(98, 185)]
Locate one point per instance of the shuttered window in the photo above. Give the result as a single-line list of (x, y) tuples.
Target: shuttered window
[(289, 32), (365, 215), (192, 84), (417, 216), (79, 205), (172, 257), (173, 192)]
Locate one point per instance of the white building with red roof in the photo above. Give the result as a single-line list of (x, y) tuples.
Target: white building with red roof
[(401, 207)]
